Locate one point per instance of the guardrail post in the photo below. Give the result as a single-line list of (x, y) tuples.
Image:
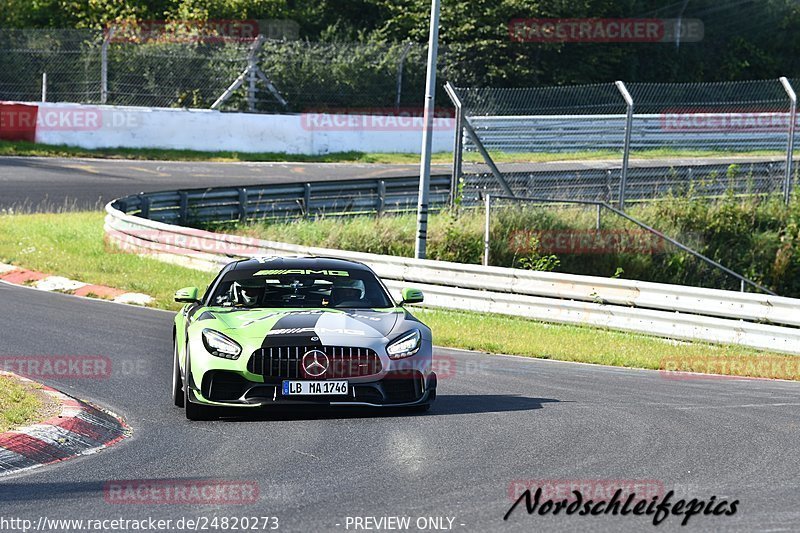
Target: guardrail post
[(787, 183), (486, 229), (381, 196), (242, 204), (306, 200), (144, 210), (183, 208), (626, 151)]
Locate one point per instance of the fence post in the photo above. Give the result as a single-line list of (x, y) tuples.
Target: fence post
[(599, 217), (252, 72), (44, 86), (251, 87), (104, 65), (623, 181), (486, 228), (400, 67), (457, 141), (787, 184)]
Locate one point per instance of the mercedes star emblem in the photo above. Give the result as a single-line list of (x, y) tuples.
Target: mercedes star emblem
[(315, 363)]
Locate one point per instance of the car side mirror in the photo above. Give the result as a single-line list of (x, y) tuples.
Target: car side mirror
[(187, 295), (411, 296)]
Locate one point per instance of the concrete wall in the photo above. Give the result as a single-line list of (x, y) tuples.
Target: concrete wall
[(309, 133)]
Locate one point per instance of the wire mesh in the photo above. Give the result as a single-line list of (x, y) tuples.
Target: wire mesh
[(587, 240), (194, 71), (689, 138), (71, 59)]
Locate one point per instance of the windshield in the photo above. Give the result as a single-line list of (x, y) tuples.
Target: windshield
[(339, 289)]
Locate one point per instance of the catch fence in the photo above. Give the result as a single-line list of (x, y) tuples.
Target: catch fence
[(618, 142)]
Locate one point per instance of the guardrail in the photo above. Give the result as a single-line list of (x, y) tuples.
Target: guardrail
[(643, 181), (578, 133), (677, 312), (295, 200)]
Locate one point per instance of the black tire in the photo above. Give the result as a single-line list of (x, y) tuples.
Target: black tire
[(193, 411), (177, 380)]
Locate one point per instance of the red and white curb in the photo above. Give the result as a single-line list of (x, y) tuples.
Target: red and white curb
[(80, 429), (38, 280)]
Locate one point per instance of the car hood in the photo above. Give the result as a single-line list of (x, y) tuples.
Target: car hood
[(323, 324)]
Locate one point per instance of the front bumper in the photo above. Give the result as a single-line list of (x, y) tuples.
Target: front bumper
[(394, 389)]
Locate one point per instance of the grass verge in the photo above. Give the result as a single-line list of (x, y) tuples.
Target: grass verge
[(20, 404), (72, 245), (21, 148)]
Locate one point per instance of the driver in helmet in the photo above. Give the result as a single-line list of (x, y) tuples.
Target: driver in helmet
[(245, 296)]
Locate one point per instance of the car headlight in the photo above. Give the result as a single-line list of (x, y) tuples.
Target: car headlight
[(221, 346), (404, 346)]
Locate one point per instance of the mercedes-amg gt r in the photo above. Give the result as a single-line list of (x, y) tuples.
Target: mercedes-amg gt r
[(299, 330)]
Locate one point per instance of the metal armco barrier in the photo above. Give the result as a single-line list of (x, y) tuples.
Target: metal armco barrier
[(584, 133), (275, 202), (676, 312), (643, 182)]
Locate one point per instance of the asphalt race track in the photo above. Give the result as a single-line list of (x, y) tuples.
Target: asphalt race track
[(45, 184), (497, 419)]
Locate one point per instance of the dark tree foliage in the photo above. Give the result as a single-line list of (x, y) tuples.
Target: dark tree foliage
[(744, 39)]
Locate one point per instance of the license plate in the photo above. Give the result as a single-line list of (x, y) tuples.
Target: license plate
[(314, 388)]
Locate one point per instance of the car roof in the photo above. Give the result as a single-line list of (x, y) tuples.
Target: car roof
[(292, 263)]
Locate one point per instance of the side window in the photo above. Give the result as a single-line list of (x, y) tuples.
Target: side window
[(212, 287)]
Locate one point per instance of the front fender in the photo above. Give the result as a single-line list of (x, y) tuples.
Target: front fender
[(179, 334)]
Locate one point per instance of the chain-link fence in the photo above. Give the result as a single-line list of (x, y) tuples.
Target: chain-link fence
[(592, 238), (69, 58), (620, 142), (88, 66)]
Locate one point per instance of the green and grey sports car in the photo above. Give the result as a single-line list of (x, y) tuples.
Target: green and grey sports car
[(299, 330)]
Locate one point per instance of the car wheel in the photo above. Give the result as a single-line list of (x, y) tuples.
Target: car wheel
[(193, 411), (177, 380)]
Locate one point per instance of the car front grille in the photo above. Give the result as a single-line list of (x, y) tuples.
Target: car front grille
[(286, 362)]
